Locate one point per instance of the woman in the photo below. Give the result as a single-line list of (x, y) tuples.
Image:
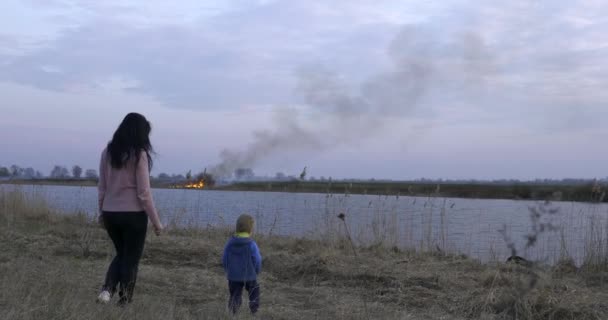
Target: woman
[(125, 203)]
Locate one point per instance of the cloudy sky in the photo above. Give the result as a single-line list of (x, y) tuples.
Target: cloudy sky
[(350, 88)]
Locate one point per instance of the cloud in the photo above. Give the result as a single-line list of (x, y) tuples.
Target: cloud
[(503, 58), (234, 58)]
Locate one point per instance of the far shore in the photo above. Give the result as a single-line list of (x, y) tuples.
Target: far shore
[(513, 191)]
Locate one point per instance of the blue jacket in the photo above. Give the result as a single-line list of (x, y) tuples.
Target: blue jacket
[(241, 260)]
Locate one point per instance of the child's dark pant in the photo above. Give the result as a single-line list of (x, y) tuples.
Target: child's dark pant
[(236, 291), (128, 233)]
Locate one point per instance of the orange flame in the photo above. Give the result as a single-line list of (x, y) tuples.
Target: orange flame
[(194, 185)]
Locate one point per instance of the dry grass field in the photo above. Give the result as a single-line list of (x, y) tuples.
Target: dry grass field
[(52, 265)]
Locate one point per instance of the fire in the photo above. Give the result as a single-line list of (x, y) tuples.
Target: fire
[(195, 185), (201, 181)]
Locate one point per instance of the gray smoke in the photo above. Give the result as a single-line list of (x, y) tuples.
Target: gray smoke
[(341, 115), (289, 134)]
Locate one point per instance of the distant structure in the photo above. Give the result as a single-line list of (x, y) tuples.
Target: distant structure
[(303, 174)]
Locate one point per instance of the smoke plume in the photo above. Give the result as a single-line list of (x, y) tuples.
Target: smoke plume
[(339, 115)]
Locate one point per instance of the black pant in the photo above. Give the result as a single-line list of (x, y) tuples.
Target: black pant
[(128, 233), (236, 291)]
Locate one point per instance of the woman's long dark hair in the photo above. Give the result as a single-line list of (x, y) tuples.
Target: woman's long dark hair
[(131, 137)]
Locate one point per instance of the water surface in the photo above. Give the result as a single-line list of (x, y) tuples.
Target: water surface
[(468, 226)]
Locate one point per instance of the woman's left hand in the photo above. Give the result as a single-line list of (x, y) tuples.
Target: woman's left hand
[(158, 230)]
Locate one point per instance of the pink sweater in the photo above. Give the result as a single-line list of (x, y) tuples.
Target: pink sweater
[(126, 189)]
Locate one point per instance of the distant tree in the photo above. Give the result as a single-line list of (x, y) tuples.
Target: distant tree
[(60, 172), (39, 175), (178, 177), (4, 172), (163, 176), (29, 173), (91, 174), (280, 176), (16, 171), (76, 171), (243, 173), (189, 175), (303, 174)]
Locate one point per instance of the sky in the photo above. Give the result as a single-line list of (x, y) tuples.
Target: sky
[(349, 88)]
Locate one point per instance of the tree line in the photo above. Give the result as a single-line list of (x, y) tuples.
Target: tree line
[(58, 172)]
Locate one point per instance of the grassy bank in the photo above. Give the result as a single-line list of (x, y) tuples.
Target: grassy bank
[(52, 265), (527, 191)]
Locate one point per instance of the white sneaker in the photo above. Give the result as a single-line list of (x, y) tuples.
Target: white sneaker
[(104, 297)]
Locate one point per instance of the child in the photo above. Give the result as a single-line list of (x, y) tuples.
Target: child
[(242, 263)]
